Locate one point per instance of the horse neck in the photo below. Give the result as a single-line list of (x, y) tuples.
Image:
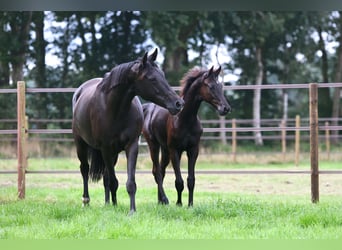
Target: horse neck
[(119, 99)]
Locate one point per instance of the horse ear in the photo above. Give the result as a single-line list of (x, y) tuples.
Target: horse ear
[(210, 71), (153, 57), (217, 72), (144, 59)]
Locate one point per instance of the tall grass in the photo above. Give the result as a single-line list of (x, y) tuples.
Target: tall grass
[(225, 206), (52, 211)]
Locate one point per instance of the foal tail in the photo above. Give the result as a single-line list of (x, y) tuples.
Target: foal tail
[(97, 165)]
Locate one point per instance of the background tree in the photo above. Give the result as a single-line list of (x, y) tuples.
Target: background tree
[(336, 105), (14, 35), (264, 47), (176, 32)]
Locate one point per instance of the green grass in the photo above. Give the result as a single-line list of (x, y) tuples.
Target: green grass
[(52, 210), (225, 206)]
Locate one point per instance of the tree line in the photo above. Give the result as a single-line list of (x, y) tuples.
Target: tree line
[(264, 47)]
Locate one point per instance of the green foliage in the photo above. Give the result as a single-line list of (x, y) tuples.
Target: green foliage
[(294, 49)]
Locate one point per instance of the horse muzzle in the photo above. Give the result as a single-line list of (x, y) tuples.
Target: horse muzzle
[(176, 107), (223, 110)]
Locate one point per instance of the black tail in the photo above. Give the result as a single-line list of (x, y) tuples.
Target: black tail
[(97, 165)]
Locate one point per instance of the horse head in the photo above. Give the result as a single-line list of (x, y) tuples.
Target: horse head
[(211, 91), (150, 84)]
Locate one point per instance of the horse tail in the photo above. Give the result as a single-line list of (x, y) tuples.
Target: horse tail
[(97, 165)]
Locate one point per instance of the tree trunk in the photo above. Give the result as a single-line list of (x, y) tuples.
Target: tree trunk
[(40, 46), (337, 91), (40, 69), (174, 62), (20, 27), (257, 97), (4, 74), (324, 107)]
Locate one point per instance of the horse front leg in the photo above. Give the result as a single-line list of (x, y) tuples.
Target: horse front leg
[(179, 183), (192, 158), (131, 186)]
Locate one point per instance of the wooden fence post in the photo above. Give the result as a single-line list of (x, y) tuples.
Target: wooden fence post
[(234, 139), (297, 140), (327, 139), (283, 139), (314, 142), (21, 138), (222, 133)]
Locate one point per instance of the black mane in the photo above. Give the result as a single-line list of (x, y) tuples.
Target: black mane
[(118, 74)]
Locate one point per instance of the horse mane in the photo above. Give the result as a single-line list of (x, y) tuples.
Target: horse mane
[(118, 75), (189, 78)]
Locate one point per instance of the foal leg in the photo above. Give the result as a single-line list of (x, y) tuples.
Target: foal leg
[(192, 157), (165, 160), (179, 183), (82, 154), (131, 186)]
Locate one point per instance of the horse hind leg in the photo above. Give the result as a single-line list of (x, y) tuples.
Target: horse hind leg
[(157, 172), (85, 175), (110, 182), (131, 186), (82, 154)]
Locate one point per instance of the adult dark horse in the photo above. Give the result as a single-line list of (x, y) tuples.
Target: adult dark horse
[(181, 132), (108, 118)]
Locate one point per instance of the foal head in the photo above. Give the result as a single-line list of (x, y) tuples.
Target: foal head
[(207, 88), (150, 84)]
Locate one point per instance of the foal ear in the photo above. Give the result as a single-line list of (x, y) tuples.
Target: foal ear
[(153, 56), (209, 72)]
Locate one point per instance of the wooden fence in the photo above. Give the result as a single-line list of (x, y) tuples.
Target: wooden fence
[(23, 130)]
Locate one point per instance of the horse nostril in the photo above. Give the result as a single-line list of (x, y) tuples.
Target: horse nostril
[(227, 109), (179, 104)]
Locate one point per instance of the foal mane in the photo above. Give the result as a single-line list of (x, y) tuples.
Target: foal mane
[(189, 78)]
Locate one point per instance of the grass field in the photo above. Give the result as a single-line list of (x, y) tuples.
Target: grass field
[(225, 206)]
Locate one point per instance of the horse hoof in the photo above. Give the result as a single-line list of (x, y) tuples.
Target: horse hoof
[(131, 212), (164, 201), (85, 201)]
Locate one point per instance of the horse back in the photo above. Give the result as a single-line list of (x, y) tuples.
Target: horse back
[(85, 89)]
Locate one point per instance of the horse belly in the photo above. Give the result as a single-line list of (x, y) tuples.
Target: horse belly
[(128, 128)]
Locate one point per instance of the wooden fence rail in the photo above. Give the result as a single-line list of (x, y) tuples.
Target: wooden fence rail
[(22, 129)]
